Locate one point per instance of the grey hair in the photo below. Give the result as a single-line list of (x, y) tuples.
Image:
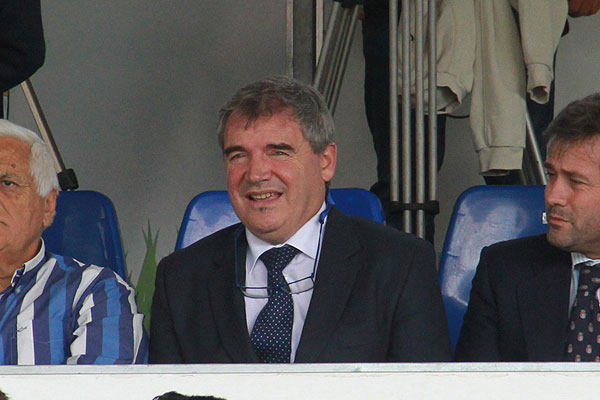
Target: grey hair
[(41, 165), (277, 94)]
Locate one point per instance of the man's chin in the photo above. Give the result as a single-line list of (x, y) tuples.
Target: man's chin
[(269, 232), (560, 240)]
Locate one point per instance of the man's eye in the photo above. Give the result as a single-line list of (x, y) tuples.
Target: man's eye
[(235, 157), (6, 183), (279, 153)]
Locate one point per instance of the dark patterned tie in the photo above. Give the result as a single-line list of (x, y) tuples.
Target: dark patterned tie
[(583, 337), (272, 332)]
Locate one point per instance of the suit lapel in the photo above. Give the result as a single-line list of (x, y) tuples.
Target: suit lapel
[(338, 266), (544, 307), (228, 305)]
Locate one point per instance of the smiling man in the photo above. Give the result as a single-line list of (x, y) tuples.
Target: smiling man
[(53, 309), (536, 299), (298, 280)]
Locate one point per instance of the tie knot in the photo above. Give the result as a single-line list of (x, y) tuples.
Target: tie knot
[(589, 277), (277, 258)]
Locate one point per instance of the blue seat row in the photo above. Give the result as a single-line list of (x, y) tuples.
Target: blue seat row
[(86, 227), (211, 211)]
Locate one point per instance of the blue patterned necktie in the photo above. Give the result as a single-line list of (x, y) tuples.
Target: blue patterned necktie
[(272, 332), (583, 334)]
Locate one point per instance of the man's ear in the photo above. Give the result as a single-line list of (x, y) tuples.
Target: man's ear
[(49, 207), (328, 161)]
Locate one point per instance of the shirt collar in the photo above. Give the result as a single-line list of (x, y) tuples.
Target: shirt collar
[(579, 258), (29, 265), (306, 239)]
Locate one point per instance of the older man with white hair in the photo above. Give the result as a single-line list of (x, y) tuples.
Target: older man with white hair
[(53, 309)]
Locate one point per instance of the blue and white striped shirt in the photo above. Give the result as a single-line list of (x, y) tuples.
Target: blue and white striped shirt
[(58, 310)]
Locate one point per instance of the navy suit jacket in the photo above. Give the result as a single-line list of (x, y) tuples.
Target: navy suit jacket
[(376, 298), (519, 306)]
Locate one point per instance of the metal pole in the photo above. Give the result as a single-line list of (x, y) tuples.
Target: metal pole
[(332, 72), (318, 80), (533, 150), (419, 117), (393, 99), (339, 55), (433, 150), (318, 29), (42, 124), (349, 36), (66, 177), (406, 117)]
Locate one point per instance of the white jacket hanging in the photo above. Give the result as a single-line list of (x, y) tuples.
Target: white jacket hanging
[(482, 50)]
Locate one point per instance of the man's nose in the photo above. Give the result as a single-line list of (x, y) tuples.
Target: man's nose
[(556, 192), (259, 169)]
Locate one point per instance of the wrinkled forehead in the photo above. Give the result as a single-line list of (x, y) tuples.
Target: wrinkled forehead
[(242, 122), (15, 155), (250, 118), (585, 148)]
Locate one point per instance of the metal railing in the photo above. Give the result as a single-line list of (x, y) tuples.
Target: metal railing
[(328, 78)]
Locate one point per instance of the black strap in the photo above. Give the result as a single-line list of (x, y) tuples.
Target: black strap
[(430, 207), (349, 3)]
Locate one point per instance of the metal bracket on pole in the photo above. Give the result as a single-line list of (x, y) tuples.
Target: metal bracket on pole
[(66, 177)]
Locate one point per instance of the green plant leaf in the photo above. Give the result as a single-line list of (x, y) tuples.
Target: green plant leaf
[(145, 285)]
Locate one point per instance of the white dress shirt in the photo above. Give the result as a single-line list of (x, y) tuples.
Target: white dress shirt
[(306, 239)]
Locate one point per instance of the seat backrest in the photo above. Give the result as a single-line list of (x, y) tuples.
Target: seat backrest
[(86, 228), (211, 211), (483, 215)]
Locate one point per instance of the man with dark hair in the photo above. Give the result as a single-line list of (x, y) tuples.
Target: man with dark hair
[(298, 280), (536, 298)]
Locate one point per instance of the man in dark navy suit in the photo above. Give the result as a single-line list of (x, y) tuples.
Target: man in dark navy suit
[(536, 298), (298, 280)]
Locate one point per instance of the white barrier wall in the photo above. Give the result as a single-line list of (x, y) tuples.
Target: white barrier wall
[(335, 381)]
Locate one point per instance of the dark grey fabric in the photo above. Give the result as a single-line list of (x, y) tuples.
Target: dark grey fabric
[(519, 305)]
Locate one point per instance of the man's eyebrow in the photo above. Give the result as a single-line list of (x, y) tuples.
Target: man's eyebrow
[(7, 176), (280, 146), (231, 149), (575, 174), (572, 174)]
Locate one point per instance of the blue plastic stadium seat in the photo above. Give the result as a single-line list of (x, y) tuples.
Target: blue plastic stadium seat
[(85, 227), (483, 215), (211, 211)]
